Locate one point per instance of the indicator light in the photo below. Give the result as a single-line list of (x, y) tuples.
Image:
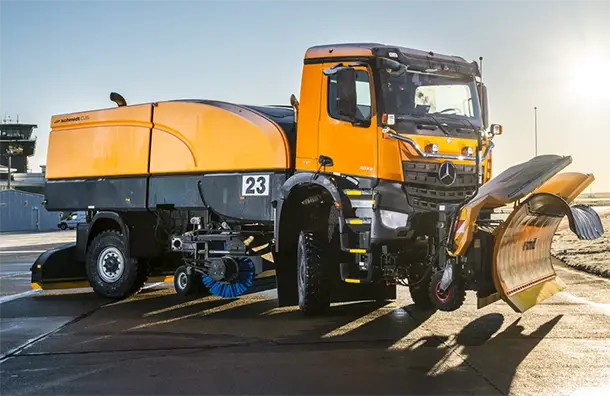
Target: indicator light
[(432, 148)]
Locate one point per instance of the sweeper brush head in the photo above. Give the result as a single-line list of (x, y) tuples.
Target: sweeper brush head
[(235, 287)]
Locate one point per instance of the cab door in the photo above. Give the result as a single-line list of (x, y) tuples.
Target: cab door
[(352, 146)]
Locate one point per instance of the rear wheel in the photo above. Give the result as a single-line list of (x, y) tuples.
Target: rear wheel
[(111, 273), (450, 299), (312, 274)]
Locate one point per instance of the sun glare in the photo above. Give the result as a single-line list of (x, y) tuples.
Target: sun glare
[(590, 77)]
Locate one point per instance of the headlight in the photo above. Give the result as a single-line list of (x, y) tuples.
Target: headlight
[(392, 219)]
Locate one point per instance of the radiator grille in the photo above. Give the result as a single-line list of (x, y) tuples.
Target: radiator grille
[(426, 191)]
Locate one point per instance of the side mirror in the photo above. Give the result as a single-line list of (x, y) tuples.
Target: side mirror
[(346, 92), (391, 66), (495, 129), (325, 161), (485, 106)]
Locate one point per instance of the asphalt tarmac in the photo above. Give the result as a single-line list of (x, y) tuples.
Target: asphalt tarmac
[(17, 253), (75, 343), (15, 273)]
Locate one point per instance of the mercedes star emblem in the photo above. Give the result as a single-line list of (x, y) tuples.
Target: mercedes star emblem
[(447, 173)]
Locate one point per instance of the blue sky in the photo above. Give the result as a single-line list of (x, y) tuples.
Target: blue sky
[(60, 57)]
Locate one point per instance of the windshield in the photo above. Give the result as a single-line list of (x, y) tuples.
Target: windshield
[(411, 96)]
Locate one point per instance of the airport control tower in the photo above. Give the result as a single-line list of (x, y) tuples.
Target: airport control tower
[(16, 145)]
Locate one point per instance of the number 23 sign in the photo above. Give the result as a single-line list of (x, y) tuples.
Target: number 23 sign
[(255, 185)]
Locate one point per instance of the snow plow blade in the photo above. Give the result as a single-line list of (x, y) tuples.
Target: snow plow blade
[(521, 262)]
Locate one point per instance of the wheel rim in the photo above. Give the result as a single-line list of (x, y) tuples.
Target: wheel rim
[(182, 281), (442, 296), (110, 264), (301, 274)]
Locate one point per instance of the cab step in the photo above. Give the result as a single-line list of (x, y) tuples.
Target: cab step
[(356, 192), (348, 276), (358, 221), (362, 198), (359, 198), (362, 227)]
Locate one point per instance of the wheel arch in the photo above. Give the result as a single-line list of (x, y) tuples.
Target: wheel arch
[(288, 222), (297, 188), (103, 221)]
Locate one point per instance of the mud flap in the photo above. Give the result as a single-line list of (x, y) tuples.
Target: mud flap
[(522, 266), (59, 269)]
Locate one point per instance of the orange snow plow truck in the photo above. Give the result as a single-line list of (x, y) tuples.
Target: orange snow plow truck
[(378, 175)]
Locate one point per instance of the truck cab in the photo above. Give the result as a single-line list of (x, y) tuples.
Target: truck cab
[(401, 120), (373, 108)]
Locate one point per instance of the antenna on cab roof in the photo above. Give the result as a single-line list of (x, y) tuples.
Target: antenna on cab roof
[(118, 99)]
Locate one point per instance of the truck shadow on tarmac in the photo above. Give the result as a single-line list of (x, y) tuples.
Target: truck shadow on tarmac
[(391, 343), (496, 358), (479, 349)]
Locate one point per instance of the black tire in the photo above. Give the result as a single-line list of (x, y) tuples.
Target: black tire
[(421, 296), (420, 291), (452, 299), (188, 285), (109, 279), (63, 226), (312, 274)]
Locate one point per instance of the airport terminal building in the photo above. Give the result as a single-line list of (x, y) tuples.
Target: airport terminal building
[(21, 191), (22, 211)]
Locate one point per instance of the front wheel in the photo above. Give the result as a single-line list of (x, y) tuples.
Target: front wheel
[(312, 274), (450, 299), (419, 291)]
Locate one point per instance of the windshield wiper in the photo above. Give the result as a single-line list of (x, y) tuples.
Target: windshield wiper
[(434, 119), (439, 124)]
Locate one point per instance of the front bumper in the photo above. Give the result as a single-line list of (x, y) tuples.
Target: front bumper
[(405, 209), (396, 216), (393, 217), (420, 197), (389, 215)]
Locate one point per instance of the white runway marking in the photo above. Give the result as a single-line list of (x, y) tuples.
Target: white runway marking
[(6, 299), (14, 275), (605, 308), (152, 285), (21, 251)]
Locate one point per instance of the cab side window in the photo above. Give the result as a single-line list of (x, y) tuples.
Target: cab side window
[(363, 96)]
